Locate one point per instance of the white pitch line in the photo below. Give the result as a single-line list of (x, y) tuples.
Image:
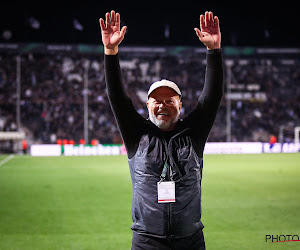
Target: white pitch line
[(6, 159)]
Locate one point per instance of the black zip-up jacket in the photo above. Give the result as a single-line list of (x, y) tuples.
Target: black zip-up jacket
[(149, 149)]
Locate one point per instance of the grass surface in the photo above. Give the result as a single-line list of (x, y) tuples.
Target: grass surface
[(84, 202)]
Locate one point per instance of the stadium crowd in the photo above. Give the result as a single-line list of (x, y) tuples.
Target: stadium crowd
[(52, 94)]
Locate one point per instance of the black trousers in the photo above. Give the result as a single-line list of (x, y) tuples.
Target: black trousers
[(144, 242)]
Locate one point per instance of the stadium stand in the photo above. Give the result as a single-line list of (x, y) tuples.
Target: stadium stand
[(265, 92)]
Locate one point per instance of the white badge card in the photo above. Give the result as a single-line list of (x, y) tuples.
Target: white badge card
[(166, 191)]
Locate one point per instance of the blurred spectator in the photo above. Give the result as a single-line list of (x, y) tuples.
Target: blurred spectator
[(52, 94), (272, 141), (24, 146)]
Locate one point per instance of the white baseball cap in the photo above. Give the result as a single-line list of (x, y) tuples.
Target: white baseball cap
[(164, 83)]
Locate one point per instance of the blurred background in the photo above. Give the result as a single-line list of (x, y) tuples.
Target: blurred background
[(149, 23), (52, 85)]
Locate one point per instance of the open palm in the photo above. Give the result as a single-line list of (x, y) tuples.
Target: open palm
[(210, 34), (112, 36)]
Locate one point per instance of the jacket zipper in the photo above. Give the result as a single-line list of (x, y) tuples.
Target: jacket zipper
[(169, 158)]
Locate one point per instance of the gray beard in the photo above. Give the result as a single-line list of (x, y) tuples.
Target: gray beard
[(161, 124)]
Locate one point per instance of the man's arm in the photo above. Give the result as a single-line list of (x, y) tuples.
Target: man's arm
[(203, 116), (128, 120)]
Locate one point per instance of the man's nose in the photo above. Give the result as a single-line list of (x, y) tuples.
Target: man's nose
[(162, 104)]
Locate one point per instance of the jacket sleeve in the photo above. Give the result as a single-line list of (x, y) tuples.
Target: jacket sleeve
[(128, 120), (203, 116)]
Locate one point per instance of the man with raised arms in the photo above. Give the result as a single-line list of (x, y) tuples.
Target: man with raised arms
[(165, 153)]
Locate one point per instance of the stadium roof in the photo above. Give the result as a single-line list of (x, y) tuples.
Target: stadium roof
[(149, 22)]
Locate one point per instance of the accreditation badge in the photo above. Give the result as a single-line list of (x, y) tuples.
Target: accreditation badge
[(166, 191)]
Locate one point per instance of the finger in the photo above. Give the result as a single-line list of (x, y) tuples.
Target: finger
[(118, 22), (206, 18), (198, 33), (202, 22), (211, 18), (112, 17), (102, 24), (217, 24), (107, 21), (123, 30)]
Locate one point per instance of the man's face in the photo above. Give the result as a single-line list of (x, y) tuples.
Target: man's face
[(164, 108)]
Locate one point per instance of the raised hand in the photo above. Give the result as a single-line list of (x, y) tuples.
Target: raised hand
[(112, 36), (210, 34)]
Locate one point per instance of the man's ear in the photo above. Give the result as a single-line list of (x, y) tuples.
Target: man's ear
[(147, 104), (180, 105)]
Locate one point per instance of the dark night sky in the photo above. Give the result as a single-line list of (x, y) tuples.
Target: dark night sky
[(245, 24)]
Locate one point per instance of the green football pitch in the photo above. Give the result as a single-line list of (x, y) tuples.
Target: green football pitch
[(84, 202)]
